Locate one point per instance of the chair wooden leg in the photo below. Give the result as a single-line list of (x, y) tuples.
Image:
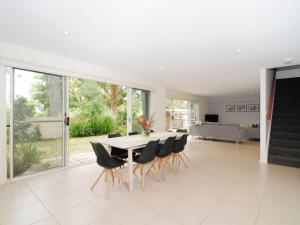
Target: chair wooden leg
[(123, 179), (135, 169), (112, 176), (107, 185), (97, 179), (173, 158), (185, 156), (163, 172), (143, 177), (156, 177), (184, 162)]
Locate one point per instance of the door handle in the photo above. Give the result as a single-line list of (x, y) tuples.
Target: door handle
[(67, 121)]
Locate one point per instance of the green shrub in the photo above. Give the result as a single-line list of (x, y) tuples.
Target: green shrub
[(25, 155), (78, 129), (96, 125), (107, 125)]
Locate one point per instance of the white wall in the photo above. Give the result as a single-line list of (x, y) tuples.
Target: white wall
[(159, 103), (32, 59), (179, 95), (266, 77), (218, 106)]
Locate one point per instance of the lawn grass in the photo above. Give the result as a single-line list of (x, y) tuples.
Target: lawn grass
[(53, 148)]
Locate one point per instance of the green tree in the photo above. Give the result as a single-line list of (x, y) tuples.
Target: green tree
[(26, 152), (114, 96), (40, 94), (46, 93), (85, 98)]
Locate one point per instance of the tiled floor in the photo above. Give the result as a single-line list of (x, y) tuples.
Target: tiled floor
[(225, 185)]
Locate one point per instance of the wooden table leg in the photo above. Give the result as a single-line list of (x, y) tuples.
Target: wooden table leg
[(130, 169)]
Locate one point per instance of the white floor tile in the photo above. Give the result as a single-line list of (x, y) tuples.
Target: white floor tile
[(25, 216), (163, 220), (186, 213), (83, 214), (12, 202), (63, 202), (133, 214), (47, 221), (224, 185)]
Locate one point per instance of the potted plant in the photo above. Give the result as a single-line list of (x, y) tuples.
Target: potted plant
[(146, 124)]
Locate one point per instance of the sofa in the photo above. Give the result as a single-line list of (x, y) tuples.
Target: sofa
[(224, 131)]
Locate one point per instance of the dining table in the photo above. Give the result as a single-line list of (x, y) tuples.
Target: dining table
[(130, 143)]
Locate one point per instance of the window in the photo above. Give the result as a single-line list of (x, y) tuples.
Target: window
[(39, 106), (96, 109), (140, 106), (37, 122), (181, 114)]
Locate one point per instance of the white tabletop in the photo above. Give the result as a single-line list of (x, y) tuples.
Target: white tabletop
[(135, 141)]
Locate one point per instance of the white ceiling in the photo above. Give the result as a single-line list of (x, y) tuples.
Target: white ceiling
[(188, 45)]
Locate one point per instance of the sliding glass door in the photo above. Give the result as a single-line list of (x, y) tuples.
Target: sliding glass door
[(181, 114), (52, 119), (193, 113), (140, 107), (37, 135), (96, 109)]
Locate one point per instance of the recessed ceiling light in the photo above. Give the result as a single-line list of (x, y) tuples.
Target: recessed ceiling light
[(161, 67), (238, 50), (288, 60), (66, 32)]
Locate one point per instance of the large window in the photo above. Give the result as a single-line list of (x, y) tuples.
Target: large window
[(52, 119), (140, 107), (96, 109), (37, 122)]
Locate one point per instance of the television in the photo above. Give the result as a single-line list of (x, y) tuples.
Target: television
[(212, 118)]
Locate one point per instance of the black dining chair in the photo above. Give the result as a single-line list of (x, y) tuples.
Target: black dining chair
[(163, 154), (144, 161), (110, 165), (117, 152), (178, 147), (133, 133)]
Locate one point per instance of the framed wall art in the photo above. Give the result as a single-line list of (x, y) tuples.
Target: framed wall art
[(241, 108), (230, 108), (253, 108)]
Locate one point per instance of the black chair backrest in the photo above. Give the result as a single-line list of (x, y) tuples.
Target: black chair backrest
[(114, 135), (133, 133), (148, 153), (180, 143), (167, 147), (103, 157), (185, 138)]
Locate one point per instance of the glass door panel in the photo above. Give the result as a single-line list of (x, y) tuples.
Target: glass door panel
[(140, 107), (37, 122), (180, 114), (193, 113), (8, 130), (96, 109)]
